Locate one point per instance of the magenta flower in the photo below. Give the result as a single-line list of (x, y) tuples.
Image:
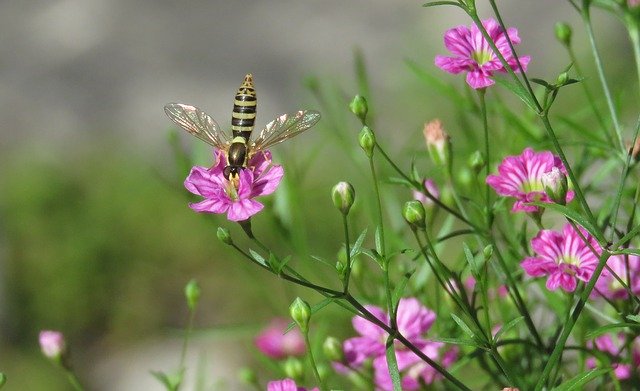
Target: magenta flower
[(223, 196), (285, 385), (472, 53), (563, 257), (413, 320), (609, 286), (52, 344), (521, 177), (431, 187), (616, 351), (274, 343)]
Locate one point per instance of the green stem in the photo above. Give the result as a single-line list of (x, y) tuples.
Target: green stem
[(485, 126), (312, 361), (73, 380), (187, 336), (347, 274), (634, 35)]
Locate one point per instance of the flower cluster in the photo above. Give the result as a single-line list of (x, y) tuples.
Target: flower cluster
[(224, 196), (413, 320)]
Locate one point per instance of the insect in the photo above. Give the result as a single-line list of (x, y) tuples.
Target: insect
[(241, 147)]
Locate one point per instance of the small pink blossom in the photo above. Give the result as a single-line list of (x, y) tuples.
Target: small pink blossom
[(609, 286), (285, 385), (521, 177), (473, 54), (563, 257), (616, 351), (274, 343), (52, 344), (431, 187), (223, 196)]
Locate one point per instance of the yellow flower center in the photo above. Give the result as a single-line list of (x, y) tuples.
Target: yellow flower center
[(482, 56)]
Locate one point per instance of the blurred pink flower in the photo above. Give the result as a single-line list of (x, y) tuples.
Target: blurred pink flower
[(274, 343), (285, 385), (563, 257), (413, 321), (616, 350), (52, 344), (609, 287), (223, 196), (521, 177), (431, 187), (472, 53)]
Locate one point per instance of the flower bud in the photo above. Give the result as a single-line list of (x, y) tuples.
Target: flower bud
[(332, 348), (477, 161), (300, 312), (343, 195), (359, 107), (555, 185), (367, 140), (438, 142), (52, 344), (563, 33), (487, 252), (224, 236), (341, 268), (192, 293), (293, 368), (414, 213), (562, 79)]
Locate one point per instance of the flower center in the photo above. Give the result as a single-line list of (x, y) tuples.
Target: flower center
[(482, 56), (532, 185), (231, 189), (569, 260)]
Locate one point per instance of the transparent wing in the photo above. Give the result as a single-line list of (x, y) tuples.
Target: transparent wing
[(197, 123), (283, 128)]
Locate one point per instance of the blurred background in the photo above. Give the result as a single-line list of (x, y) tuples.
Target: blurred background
[(96, 238)]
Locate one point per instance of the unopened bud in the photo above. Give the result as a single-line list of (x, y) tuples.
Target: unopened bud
[(341, 268), (367, 140), (477, 161), (359, 107), (300, 312), (487, 252), (555, 185), (563, 33), (224, 236), (562, 79), (414, 213), (332, 348), (192, 293), (293, 368), (53, 345), (343, 195), (438, 142)]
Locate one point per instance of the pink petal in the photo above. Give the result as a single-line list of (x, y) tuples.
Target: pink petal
[(218, 205), (243, 209), (268, 182), (478, 79), (413, 318), (454, 65), (368, 329), (456, 40)]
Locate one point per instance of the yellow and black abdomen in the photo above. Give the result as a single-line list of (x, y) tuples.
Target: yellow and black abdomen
[(244, 109)]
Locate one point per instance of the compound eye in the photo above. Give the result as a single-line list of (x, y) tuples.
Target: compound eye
[(227, 171)]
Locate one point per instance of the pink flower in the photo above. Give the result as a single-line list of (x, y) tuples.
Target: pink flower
[(563, 257), (521, 177), (273, 341), (413, 321), (616, 351), (285, 385), (609, 286), (473, 54), (223, 196), (431, 187), (52, 344)]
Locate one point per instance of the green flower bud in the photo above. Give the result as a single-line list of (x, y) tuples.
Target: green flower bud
[(359, 107), (487, 252), (341, 268), (562, 79), (332, 348), (414, 213), (248, 376), (300, 312), (224, 236), (464, 176), (556, 185), (563, 33), (293, 368), (343, 195), (476, 161), (367, 140), (3, 379), (192, 293)]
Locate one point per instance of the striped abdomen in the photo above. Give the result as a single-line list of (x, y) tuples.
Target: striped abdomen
[(244, 109)]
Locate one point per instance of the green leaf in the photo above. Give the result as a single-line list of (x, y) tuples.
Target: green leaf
[(577, 382), (402, 284), (471, 260), (357, 246), (463, 325), (605, 329), (457, 341), (322, 260), (392, 365), (518, 90), (378, 240), (542, 83), (170, 382), (575, 216), (634, 318), (437, 3), (258, 258), (507, 327), (630, 251)]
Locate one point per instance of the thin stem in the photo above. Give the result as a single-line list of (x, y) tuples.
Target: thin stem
[(312, 361), (347, 246), (185, 341), (485, 126), (634, 36), (73, 379)]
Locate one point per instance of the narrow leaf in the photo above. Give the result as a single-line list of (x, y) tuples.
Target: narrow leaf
[(378, 239), (470, 260), (437, 3), (507, 327), (463, 325), (457, 341), (402, 284), (605, 329), (355, 250), (577, 382), (258, 258), (518, 90), (392, 365)]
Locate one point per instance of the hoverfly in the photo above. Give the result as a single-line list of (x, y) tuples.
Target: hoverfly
[(241, 147)]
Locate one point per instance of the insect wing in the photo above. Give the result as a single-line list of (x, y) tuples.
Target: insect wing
[(283, 128), (198, 123)]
